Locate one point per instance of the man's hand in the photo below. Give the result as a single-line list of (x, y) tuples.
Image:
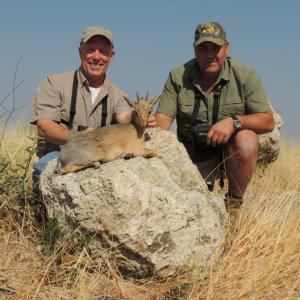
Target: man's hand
[(160, 120), (152, 122), (220, 132)]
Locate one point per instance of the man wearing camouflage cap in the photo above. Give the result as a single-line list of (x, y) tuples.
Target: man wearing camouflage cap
[(80, 100), (220, 105)]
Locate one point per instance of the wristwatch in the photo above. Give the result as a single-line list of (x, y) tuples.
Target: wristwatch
[(236, 123)]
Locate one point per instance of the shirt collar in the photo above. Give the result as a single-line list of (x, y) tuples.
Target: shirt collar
[(84, 82)]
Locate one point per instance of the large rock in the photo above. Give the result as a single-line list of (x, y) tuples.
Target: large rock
[(269, 143), (148, 216)]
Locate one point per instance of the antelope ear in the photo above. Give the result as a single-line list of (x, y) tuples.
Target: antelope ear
[(153, 101), (130, 101)]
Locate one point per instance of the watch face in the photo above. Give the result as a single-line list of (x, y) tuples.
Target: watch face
[(236, 123)]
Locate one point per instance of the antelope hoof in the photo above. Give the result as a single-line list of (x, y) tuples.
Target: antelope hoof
[(97, 164), (70, 169), (150, 153)]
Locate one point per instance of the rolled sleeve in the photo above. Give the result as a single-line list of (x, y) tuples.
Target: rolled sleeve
[(47, 102), (255, 95), (120, 104), (168, 99)]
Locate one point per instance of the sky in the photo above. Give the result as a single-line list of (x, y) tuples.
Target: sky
[(151, 38)]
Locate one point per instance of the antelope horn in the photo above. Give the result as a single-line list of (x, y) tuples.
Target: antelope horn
[(130, 101)]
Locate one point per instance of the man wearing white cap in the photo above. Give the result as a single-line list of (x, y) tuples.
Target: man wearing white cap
[(80, 100)]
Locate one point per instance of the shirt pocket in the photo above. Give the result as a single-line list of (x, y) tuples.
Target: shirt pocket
[(235, 107), (186, 108)]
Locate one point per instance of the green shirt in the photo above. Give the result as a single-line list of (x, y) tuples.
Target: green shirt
[(242, 93)]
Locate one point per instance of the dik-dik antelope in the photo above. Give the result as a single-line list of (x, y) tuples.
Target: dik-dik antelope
[(104, 144)]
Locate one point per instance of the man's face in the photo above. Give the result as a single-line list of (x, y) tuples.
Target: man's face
[(211, 57), (95, 55)]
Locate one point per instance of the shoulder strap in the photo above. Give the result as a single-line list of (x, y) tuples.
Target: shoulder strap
[(73, 100), (104, 111), (73, 103), (196, 106), (217, 94)]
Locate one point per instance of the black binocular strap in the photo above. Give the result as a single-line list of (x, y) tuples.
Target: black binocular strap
[(217, 94), (73, 101), (73, 105), (196, 107), (104, 111)]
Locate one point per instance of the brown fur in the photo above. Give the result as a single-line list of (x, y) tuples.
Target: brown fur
[(104, 144)]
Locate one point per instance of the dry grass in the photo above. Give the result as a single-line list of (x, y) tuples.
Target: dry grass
[(261, 259), (14, 141)]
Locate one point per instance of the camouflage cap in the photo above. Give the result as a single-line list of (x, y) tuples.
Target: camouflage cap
[(92, 31), (210, 32)]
